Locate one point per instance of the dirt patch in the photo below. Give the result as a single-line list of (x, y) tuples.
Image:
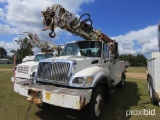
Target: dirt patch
[(136, 75), (6, 69)]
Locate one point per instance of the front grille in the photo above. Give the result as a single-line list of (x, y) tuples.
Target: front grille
[(57, 71), (23, 69)]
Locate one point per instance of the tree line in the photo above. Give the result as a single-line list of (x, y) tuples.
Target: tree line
[(23, 50), (134, 60)]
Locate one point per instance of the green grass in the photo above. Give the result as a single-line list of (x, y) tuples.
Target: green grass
[(133, 96), (137, 69), (6, 66)]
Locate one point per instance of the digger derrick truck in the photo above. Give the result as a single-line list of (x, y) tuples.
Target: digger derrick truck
[(85, 72), (26, 70)]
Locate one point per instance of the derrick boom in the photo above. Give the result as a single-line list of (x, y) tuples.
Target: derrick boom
[(36, 42), (57, 16)]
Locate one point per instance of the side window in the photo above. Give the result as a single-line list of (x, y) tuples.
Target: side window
[(106, 51), (69, 51)]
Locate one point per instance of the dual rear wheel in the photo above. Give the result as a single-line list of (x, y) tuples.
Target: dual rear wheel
[(151, 92)]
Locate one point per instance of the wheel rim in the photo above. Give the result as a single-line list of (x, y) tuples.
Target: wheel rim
[(98, 105), (148, 86), (150, 91)]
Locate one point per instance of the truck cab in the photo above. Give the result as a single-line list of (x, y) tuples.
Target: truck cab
[(80, 61)]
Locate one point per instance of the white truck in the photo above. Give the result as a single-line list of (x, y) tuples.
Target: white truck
[(85, 72), (153, 78), (29, 64), (26, 70)]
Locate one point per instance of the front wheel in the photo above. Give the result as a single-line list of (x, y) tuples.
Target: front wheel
[(95, 107)]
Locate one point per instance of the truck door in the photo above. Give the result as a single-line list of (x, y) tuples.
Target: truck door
[(116, 72), (106, 59)]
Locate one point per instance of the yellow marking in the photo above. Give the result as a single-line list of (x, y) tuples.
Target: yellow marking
[(48, 96)]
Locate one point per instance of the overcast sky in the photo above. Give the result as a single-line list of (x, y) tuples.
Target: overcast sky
[(133, 23)]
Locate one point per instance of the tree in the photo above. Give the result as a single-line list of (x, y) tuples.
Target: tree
[(46, 50), (138, 60), (3, 53), (24, 50)]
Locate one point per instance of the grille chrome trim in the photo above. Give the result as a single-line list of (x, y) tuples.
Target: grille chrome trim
[(55, 71)]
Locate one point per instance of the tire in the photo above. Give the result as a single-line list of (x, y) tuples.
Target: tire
[(122, 82), (152, 96), (148, 86), (95, 107)]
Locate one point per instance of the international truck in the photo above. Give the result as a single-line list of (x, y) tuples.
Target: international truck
[(85, 72)]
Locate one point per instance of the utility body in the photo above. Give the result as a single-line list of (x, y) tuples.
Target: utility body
[(153, 78)]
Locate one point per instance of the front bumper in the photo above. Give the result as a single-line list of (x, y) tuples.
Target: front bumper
[(58, 96), (18, 79)]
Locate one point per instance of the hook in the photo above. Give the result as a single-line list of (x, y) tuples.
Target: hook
[(52, 36)]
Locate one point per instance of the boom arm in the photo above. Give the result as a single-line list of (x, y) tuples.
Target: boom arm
[(57, 16), (36, 42)]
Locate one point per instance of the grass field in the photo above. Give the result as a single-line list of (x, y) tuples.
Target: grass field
[(133, 96), (6, 66), (137, 69)]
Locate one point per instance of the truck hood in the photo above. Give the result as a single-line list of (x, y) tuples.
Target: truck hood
[(81, 61), (31, 63)]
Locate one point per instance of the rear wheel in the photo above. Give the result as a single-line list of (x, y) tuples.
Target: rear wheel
[(122, 82), (152, 96), (148, 86)]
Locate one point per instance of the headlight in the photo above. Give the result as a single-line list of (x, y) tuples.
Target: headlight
[(78, 80)]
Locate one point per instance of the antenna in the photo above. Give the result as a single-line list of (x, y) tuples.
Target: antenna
[(159, 35)]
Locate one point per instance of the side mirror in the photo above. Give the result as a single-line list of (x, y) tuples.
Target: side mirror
[(33, 75), (114, 48), (60, 48), (56, 53)]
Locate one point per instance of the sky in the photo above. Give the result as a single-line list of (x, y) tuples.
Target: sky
[(132, 23)]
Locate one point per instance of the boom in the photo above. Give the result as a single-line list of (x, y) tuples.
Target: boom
[(57, 16), (36, 42)]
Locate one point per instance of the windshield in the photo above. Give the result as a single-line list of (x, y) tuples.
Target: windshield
[(83, 48), (43, 56)]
